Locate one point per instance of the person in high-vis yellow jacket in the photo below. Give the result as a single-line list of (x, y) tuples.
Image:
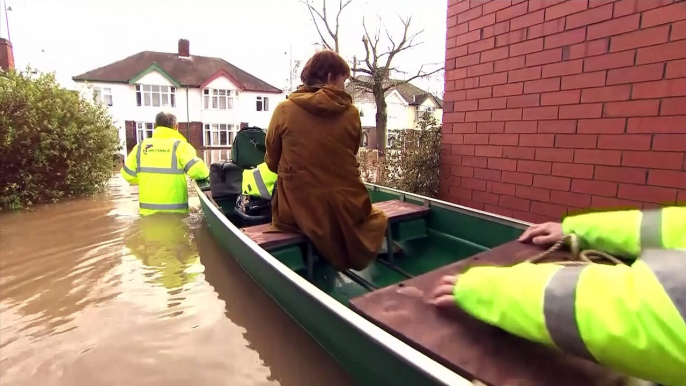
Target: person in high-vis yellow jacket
[(259, 182), (163, 243), (629, 318), (159, 164)]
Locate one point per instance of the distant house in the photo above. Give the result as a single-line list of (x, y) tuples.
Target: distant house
[(211, 97), (406, 104)]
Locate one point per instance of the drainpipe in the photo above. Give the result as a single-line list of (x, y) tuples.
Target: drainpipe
[(188, 119)]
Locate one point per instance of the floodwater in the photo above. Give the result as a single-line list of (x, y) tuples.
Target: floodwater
[(91, 294)]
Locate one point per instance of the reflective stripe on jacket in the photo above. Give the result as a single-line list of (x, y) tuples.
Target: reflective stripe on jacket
[(259, 182), (159, 168), (629, 318)]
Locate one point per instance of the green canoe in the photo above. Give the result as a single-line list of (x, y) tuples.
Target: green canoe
[(441, 234)]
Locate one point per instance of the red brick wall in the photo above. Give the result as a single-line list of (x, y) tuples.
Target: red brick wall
[(6, 55), (194, 135), (553, 105), (130, 129)]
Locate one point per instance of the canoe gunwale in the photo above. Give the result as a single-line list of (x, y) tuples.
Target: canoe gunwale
[(402, 350), (428, 201)]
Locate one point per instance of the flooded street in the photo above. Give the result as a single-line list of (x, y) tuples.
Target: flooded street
[(91, 294)]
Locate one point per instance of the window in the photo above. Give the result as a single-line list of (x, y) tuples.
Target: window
[(262, 104), (219, 134), (103, 95), (157, 96), (218, 99), (143, 130), (420, 112), (391, 137)]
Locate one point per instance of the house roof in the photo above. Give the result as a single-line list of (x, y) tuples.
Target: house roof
[(191, 72), (413, 95)]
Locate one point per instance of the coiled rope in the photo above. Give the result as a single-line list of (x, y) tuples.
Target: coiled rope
[(588, 256)]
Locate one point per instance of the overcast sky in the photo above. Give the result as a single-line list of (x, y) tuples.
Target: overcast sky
[(74, 36)]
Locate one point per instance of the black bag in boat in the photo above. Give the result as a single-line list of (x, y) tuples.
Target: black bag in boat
[(248, 148), (225, 179), (253, 208)]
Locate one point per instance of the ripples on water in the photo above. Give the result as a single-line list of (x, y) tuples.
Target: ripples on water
[(91, 294)]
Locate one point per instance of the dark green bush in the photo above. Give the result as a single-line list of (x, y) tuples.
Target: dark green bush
[(411, 164), (53, 143)]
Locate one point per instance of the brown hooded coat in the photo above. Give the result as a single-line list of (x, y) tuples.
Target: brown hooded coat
[(312, 143)]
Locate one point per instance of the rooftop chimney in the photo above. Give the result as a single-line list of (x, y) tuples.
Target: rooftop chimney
[(184, 48), (6, 55)]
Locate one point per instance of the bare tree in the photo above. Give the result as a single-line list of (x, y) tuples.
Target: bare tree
[(330, 42), (294, 75), (377, 62), (378, 65)]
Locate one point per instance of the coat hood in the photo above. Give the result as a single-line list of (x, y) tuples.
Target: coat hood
[(321, 101)]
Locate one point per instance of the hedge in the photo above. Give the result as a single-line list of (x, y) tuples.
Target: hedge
[(53, 143)]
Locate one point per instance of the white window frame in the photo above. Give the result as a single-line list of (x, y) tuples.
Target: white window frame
[(103, 95), (148, 94), (262, 103), (420, 112), (209, 130), (213, 98), (388, 136), (144, 130)]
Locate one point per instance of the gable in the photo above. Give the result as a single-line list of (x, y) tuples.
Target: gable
[(154, 74), (430, 102), (221, 80), (394, 97)]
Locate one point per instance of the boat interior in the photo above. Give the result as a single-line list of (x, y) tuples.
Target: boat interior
[(434, 239)]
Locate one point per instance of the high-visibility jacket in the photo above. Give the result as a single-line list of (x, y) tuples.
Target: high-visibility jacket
[(158, 165), (259, 182), (161, 244), (629, 318)]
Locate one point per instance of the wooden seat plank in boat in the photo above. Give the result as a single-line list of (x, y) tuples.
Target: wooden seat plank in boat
[(469, 346), (271, 240), (395, 210)]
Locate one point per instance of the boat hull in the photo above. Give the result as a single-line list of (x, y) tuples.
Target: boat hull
[(369, 354)]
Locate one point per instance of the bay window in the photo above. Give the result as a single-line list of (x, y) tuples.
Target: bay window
[(156, 96), (216, 99), (218, 134)]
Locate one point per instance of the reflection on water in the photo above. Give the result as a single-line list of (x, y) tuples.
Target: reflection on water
[(91, 294)]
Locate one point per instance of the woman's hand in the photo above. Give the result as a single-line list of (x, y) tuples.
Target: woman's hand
[(442, 296), (542, 234)]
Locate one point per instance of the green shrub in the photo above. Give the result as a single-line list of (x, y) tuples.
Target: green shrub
[(53, 143), (411, 164)]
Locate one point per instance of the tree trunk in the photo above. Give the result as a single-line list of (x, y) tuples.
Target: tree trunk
[(381, 120)]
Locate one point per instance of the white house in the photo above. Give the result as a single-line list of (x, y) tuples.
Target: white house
[(211, 98), (406, 104)]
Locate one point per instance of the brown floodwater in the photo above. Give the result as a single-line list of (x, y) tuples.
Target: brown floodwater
[(91, 294)]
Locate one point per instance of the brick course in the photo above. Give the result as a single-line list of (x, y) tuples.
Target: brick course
[(558, 105)]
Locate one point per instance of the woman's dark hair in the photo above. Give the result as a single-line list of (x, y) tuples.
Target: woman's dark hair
[(323, 63)]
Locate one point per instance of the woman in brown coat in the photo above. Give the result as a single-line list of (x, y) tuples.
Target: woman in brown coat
[(312, 143)]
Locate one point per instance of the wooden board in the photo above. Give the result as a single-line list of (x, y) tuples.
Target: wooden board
[(469, 346), (268, 238), (397, 210)]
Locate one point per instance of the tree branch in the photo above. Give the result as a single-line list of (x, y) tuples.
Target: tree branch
[(324, 18), (405, 43), (420, 74)]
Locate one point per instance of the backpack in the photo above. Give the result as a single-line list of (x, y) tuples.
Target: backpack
[(248, 147)]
